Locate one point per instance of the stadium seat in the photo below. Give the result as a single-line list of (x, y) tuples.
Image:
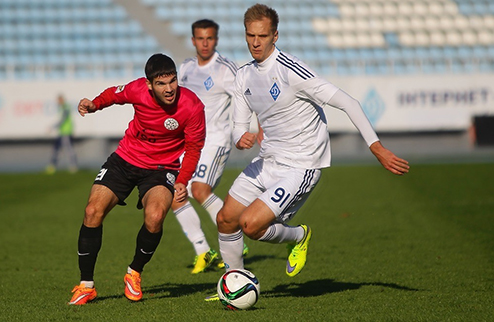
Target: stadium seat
[(350, 37), (58, 37)]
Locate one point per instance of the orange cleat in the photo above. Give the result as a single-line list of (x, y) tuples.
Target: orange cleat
[(82, 295), (132, 282)]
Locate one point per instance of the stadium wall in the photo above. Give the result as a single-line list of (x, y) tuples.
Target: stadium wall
[(28, 109), (418, 116)]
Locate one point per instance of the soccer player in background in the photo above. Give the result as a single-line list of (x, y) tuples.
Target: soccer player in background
[(65, 127), (168, 121), (287, 97), (210, 76)]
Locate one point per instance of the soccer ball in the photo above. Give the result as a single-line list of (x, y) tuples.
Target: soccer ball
[(238, 289)]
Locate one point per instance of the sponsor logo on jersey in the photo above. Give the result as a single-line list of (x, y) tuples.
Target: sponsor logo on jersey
[(120, 88), (184, 79), (171, 124), (247, 92), (275, 91), (208, 83)]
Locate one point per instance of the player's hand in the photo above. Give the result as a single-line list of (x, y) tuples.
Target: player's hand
[(247, 141), (86, 106), (389, 161), (180, 192)]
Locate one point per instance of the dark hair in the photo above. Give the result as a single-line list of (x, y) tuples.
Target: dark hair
[(159, 65), (258, 12), (205, 23)]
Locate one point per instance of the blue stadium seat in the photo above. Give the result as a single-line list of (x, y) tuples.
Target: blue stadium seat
[(480, 52), (486, 65), (60, 36), (163, 13), (51, 32)]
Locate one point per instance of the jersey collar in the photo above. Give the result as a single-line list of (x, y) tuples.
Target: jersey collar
[(268, 63), (210, 62)]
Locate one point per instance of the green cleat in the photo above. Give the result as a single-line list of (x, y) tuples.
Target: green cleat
[(221, 264), (204, 260), (297, 253), (212, 298), (245, 251)]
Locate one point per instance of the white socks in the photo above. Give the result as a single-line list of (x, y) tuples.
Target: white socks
[(231, 247), (191, 226), (279, 233), (213, 205), (88, 284)]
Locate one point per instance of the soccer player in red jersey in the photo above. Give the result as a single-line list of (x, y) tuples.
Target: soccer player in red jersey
[(168, 121)]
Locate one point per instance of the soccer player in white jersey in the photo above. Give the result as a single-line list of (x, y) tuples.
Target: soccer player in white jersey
[(210, 76), (287, 97)]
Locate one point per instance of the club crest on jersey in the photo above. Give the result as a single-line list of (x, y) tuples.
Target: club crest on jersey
[(208, 83), (275, 91), (171, 178), (171, 124)]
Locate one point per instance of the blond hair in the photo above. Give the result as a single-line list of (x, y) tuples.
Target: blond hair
[(258, 12)]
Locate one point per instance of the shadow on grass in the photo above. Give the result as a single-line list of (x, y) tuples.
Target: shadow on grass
[(324, 286), (167, 290), (178, 290), (308, 289), (257, 258), (173, 290)]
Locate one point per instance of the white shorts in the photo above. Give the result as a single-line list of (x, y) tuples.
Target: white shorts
[(282, 188), (211, 165)]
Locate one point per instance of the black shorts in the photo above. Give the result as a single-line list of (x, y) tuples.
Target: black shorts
[(122, 177)]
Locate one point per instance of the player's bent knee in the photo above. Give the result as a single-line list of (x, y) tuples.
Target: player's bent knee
[(93, 216), (226, 224), (251, 231), (154, 224), (93, 210), (221, 219), (154, 219)]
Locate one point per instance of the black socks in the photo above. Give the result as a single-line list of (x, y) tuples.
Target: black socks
[(88, 247), (146, 245)]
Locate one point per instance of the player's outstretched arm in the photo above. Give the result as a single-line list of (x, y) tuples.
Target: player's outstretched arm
[(247, 141), (389, 161), (86, 106)]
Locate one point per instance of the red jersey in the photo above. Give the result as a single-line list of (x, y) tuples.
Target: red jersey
[(157, 136)]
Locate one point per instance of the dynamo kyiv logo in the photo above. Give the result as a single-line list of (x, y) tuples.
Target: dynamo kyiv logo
[(275, 91), (373, 106), (208, 83)]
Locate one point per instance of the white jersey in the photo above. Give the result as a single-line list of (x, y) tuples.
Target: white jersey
[(287, 97), (213, 84)]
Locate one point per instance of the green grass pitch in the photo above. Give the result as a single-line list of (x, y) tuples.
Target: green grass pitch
[(384, 248)]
